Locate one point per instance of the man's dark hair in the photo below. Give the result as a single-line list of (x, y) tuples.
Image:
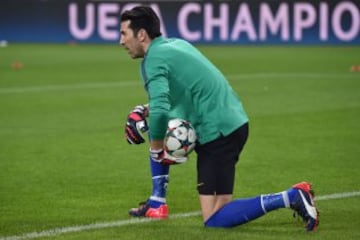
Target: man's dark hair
[(143, 17)]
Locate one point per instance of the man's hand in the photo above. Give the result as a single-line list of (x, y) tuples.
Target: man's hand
[(136, 124), (163, 157)]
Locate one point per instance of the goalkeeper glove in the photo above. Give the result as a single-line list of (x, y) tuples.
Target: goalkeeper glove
[(136, 124), (163, 157)]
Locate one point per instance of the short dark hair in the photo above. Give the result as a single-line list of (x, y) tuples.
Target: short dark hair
[(143, 17)]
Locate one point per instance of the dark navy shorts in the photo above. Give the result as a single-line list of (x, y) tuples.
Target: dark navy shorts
[(216, 162)]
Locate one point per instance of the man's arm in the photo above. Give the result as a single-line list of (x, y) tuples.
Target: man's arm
[(154, 144)]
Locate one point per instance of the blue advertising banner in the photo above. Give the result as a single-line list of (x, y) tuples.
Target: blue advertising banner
[(220, 22)]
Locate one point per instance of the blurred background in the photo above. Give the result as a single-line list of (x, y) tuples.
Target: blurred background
[(220, 22)]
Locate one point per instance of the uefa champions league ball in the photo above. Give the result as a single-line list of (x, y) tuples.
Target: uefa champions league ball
[(180, 138)]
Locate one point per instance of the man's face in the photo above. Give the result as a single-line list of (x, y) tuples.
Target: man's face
[(131, 43)]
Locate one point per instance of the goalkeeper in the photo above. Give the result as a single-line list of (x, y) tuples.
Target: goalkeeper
[(182, 83)]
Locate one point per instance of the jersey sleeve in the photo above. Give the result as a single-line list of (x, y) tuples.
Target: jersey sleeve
[(155, 75)]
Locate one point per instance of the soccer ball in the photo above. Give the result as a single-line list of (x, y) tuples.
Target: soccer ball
[(180, 138)]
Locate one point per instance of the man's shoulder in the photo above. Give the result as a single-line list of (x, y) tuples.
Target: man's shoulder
[(171, 43)]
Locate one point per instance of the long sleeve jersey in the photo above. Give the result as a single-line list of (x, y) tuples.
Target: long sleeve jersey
[(182, 83)]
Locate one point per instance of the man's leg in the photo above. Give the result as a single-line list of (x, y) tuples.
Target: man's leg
[(240, 211), (160, 180), (155, 206), (216, 170), (212, 203)]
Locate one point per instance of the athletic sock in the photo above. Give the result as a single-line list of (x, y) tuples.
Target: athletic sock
[(274, 201), (160, 179), (237, 212), (241, 211), (292, 192)]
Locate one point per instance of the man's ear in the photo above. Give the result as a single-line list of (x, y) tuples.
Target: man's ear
[(142, 35)]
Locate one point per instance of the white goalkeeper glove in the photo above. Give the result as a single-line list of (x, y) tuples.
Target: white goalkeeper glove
[(163, 157)]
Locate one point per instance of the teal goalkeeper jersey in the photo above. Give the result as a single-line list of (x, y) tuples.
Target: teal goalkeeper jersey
[(183, 83)]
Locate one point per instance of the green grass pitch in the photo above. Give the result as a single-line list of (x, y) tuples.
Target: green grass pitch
[(64, 161)]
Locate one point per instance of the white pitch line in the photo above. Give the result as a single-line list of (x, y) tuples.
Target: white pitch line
[(94, 226), (60, 87), (337, 196)]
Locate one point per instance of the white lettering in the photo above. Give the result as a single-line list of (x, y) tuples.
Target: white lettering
[(89, 22), (301, 23), (280, 21), (323, 22), (210, 21), (336, 21), (182, 22), (285, 21), (105, 21), (244, 23)]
